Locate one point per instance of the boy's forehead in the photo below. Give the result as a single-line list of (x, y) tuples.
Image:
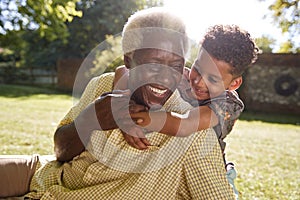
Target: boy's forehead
[(203, 59), (210, 65), (206, 62)]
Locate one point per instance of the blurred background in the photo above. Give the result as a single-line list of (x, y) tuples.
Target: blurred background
[(45, 44)]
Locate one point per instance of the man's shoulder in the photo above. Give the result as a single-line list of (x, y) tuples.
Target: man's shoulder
[(108, 76), (103, 81)]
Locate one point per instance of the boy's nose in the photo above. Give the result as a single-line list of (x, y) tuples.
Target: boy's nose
[(199, 81)]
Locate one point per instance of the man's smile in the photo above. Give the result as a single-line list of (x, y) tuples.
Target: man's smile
[(155, 95), (157, 92)]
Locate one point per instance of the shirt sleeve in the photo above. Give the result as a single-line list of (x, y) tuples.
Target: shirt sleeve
[(227, 108), (93, 90)]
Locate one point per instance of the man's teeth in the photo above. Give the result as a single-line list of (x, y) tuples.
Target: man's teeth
[(158, 91)]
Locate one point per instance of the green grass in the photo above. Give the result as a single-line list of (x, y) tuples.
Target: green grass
[(264, 147), (267, 158), (28, 118)]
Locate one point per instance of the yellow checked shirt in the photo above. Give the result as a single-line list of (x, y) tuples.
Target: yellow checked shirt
[(172, 168)]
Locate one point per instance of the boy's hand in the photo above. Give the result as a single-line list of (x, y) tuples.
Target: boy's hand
[(135, 137), (120, 107), (141, 118), (133, 134)]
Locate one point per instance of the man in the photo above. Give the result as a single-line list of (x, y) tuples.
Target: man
[(95, 160)]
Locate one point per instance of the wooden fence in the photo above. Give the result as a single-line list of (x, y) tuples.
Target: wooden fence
[(28, 75)]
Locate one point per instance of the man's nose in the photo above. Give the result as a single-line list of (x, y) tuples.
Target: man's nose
[(165, 76)]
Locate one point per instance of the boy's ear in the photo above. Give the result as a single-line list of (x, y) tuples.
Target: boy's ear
[(236, 83)]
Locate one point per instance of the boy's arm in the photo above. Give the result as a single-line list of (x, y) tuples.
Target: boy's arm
[(121, 78), (174, 124)]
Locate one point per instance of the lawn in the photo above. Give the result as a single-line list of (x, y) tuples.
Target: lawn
[(28, 118), (264, 147)]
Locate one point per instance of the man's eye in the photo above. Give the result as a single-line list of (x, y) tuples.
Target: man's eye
[(178, 67)]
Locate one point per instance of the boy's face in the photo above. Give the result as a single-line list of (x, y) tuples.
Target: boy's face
[(210, 77)]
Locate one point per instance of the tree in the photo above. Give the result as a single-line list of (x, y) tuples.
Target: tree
[(48, 17), (265, 43), (106, 56), (24, 23), (100, 18), (65, 38), (97, 33), (286, 14), (286, 47)]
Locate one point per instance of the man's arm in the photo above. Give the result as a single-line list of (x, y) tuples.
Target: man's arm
[(121, 78), (67, 143), (102, 114), (70, 140)]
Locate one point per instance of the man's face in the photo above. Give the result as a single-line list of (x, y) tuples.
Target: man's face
[(154, 75)]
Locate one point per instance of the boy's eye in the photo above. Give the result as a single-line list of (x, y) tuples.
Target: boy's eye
[(196, 69), (212, 80)]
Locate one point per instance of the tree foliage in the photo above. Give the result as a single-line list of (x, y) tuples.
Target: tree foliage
[(286, 47), (48, 17), (106, 56), (286, 14), (265, 43), (100, 18), (41, 35)]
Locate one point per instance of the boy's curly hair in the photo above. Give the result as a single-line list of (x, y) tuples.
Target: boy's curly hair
[(231, 44)]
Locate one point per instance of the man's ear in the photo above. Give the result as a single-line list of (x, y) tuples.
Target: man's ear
[(236, 83), (128, 61)]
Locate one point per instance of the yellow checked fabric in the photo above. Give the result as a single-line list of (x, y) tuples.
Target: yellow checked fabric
[(172, 168)]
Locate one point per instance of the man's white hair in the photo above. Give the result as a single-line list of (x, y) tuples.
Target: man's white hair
[(153, 21)]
